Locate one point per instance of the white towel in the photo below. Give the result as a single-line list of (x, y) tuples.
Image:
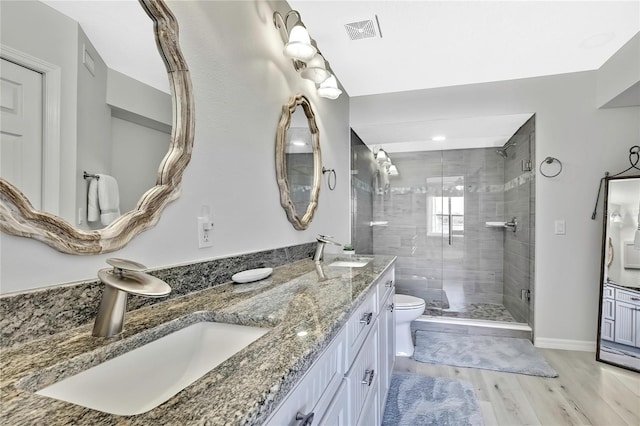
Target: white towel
[(103, 200), (93, 210)]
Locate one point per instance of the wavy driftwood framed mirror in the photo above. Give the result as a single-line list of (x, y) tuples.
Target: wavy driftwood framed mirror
[(298, 161), (22, 216)]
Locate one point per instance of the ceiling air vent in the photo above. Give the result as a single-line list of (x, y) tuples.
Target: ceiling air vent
[(362, 29)]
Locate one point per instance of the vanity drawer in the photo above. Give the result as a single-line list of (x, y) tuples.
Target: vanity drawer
[(608, 292), (386, 286), (362, 379), (359, 324), (632, 297), (315, 391)]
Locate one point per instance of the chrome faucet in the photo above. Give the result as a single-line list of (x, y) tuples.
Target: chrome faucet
[(322, 241), (125, 277)]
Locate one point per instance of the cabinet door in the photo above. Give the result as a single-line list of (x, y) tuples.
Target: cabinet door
[(625, 332), (362, 379), (337, 413), (608, 308), (637, 321), (371, 413), (606, 332)]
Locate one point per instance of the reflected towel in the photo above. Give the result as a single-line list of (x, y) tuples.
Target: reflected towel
[(103, 200), (93, 209)]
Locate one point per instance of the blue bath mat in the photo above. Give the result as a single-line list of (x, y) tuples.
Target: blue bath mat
[(430, 401), (486, 352)]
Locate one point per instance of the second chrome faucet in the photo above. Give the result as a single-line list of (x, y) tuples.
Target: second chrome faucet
[(322, 240)]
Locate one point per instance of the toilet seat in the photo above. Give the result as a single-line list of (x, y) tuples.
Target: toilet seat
[(404, 301)]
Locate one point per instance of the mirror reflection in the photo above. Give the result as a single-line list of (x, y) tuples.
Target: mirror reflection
[(105, 112), (298, 162), (619, 333)]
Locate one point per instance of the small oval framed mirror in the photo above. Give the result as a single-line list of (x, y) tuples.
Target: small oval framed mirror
[(298, 161)]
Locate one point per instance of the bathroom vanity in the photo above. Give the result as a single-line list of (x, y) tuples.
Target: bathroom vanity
[(328, 353)]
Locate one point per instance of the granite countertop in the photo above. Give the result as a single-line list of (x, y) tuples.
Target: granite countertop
[(244, 389)]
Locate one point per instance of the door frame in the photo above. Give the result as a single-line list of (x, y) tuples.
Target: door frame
[(51, 89)]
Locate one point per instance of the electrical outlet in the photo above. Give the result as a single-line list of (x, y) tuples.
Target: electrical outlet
[(205, 229)]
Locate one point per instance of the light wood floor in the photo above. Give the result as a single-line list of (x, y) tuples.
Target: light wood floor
[(585, 393)]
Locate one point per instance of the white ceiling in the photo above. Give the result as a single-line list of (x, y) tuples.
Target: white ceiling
[(429, 44)]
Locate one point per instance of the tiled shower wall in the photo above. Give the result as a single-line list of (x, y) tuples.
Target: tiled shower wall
[(487, 265), (471, 267), (520, 203)]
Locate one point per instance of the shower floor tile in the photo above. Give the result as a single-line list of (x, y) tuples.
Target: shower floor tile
[(482, 311)]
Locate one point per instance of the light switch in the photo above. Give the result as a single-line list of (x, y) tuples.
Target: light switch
[(559, 227)]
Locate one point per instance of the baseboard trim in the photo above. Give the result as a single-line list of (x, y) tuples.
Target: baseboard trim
[(565, 344)]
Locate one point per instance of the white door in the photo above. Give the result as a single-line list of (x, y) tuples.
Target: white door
[(21, 129)]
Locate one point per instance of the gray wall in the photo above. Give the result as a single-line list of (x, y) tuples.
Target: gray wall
[(520, 203), (136, 153), (240, 80)]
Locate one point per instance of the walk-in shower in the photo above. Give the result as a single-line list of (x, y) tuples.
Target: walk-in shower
[(460, 223)]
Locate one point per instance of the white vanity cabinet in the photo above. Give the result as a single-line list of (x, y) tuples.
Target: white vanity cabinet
[(347, 385), (621, 315)]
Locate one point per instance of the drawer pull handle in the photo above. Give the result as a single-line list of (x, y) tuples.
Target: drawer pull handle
[(368, 377), (636, 299), (366, 318), (307, 419), (389, 283), (391, 306)]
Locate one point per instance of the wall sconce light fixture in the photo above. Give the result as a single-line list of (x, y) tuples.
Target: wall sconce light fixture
[(616, 218), (307, 60)]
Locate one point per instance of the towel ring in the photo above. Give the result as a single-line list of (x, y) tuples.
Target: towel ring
[(550, 160), (331, 172)]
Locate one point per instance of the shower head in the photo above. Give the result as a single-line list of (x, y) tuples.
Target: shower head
[(502, 152)]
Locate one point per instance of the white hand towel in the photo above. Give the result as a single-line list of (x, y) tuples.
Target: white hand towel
[(93, 209), (108, 199)]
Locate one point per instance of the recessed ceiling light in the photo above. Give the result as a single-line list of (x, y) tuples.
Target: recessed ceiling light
[(299, 143), (439, 138)]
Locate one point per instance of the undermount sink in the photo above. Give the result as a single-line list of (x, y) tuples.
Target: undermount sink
[(142, 379), (352, 263)]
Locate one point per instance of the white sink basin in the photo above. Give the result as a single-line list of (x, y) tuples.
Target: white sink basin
[(144, 378), (355, 263)]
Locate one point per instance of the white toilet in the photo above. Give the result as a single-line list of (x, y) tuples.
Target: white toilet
[(406, 309)]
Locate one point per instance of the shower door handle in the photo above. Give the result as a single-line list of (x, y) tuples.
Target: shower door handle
[(450, 223)]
